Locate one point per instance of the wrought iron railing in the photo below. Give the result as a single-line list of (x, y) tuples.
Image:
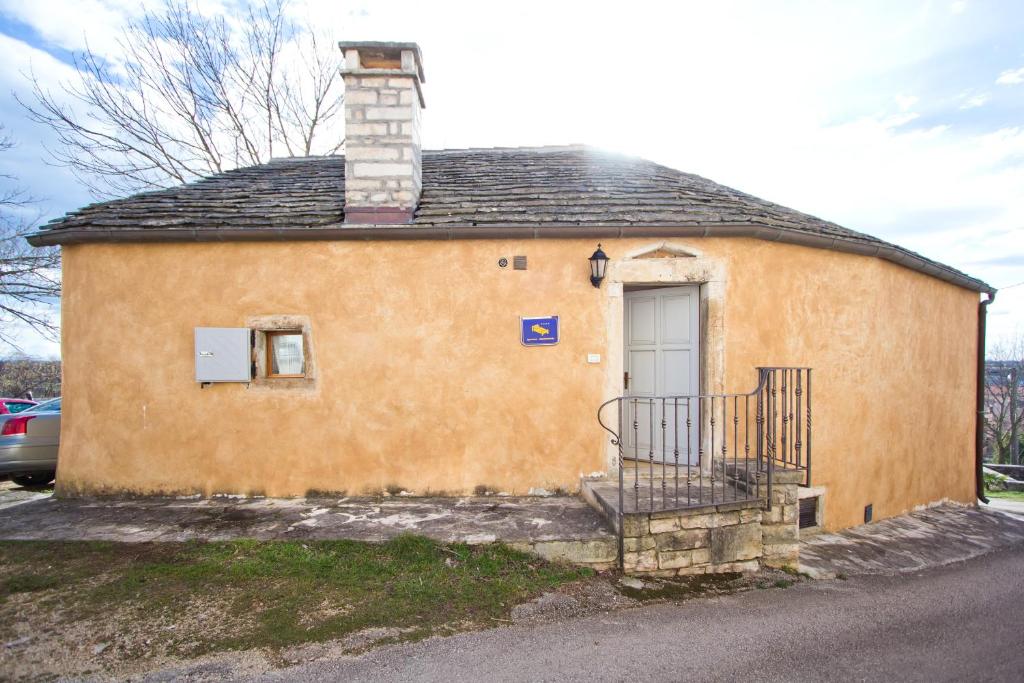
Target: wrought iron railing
[(786, 397), (678, 452)]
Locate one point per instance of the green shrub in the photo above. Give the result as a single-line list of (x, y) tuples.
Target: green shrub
[(993, 480)]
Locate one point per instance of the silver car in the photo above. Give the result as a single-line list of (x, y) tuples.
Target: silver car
[(28, 444)]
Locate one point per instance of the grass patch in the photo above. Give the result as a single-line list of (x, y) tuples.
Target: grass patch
[(1006, 495), (27, 583), (275, 593)]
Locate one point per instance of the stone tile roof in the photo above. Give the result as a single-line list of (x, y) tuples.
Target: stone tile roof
[(564, 187)]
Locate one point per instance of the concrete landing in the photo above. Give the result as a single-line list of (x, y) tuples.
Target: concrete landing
[(650, 497), (559, 527), (909, 543)]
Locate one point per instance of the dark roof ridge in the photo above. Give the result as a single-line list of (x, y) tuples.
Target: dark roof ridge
[(527, 148), (549, 191)]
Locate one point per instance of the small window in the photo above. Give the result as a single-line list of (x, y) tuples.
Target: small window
[(17, 406), (285, 354)]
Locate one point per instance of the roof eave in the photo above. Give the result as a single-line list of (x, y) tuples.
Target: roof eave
[(350, 231)]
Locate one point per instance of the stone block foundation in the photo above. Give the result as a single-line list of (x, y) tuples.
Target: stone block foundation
[(738, 536)]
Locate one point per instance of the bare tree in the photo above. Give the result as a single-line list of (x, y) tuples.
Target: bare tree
[(1004, 401), (29, 278), (193, 95), (21, 377)]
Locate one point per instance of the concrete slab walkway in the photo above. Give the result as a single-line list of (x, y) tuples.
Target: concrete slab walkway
[(1012, 506), (929, 538), (11, 494), (559, 527)]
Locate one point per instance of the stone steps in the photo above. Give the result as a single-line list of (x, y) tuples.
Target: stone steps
[(603, 496), (666, 536)]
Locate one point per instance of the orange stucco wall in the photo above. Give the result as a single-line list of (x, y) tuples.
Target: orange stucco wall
[(421, 381), (894, 358)]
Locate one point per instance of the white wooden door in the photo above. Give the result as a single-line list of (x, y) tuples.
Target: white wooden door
[(662, 361)]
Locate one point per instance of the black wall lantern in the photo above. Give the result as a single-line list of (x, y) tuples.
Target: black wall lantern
[(598, 263)]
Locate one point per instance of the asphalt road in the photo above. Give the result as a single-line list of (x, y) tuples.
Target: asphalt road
[(963, 622)]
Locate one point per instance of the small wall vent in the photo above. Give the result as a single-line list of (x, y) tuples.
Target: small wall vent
[(868, 513), (519, 262), (809, 512)]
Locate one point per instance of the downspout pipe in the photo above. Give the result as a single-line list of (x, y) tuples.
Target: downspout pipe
[(979, 420)]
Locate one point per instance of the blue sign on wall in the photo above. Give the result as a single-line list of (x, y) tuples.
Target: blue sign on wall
[(542, 331)]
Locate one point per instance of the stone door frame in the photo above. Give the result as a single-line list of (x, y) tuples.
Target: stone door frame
[(666, 263)]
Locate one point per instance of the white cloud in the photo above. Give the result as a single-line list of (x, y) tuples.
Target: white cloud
[(28, 341), (808, 107), (68, 23), (974, 101), (1011, 77), (905, 102)]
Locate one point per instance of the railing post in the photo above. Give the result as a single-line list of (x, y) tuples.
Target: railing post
[(746, 444), (712, 448), (650, 451), (807, 455), (784, 453), (636, 455), (700, 450), (675, 445), (735, 442), (761, 388), (622, 484), (797, 432), (773, 412), (689, 451), (664, 465)]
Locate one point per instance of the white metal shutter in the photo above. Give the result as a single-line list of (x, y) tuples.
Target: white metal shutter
[(222, 354)]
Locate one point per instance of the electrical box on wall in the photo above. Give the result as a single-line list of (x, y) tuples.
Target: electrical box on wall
[(222, 354)]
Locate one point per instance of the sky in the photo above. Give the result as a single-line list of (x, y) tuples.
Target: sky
[(904, 120)]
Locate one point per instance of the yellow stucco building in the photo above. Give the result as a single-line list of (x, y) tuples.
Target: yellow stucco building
[(362, 323)]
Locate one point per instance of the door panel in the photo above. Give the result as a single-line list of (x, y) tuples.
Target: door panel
[(642, 320), (643, 368), (677, 364), (662, 359), (675, 319)]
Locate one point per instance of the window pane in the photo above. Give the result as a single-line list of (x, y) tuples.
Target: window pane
[(286, 354), (17, 407), (51, 406)]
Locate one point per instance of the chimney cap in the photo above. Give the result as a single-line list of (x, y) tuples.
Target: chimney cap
[(378, 46)]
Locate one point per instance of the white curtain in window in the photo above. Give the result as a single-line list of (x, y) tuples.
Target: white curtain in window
[(286, 354)]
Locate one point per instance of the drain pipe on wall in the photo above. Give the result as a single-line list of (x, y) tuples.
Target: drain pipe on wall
[(979, 421)]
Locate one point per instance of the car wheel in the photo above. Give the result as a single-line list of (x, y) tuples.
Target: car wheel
[(34, 479)]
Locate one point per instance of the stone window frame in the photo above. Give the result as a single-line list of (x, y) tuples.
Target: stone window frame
[(261, 327)]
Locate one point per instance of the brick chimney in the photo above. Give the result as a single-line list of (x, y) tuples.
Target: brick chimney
[(383, 101)]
